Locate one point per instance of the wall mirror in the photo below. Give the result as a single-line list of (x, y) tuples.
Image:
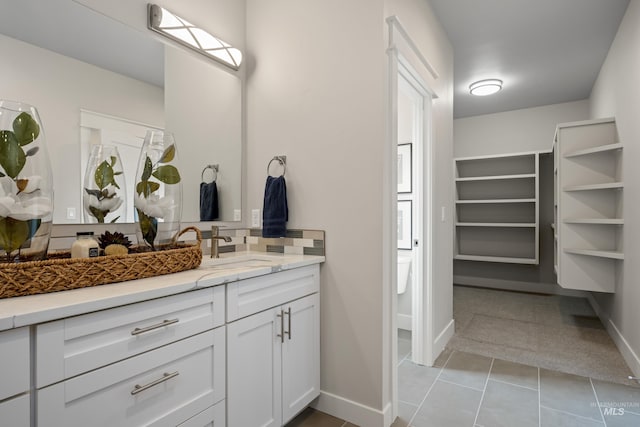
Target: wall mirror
[(71, 62)]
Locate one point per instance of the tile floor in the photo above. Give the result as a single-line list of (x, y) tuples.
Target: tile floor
[(481, 389), (312, 418), (465, 389)]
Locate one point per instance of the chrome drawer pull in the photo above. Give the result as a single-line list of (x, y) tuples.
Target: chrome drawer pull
[(162, 324), (289, 331), (281, 334), (165, 377)]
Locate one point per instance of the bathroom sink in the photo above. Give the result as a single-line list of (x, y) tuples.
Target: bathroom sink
[(237, 263)]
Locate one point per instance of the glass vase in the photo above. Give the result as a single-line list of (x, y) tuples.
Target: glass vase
[(26, 184), (158, 191), (104, 192)]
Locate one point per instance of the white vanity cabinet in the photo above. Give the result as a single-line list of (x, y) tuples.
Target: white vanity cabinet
[(273, 347), (14, 377), (158, 363), (203, 348)]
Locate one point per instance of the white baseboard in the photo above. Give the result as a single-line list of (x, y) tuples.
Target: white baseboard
[(404, 321), (353, 412), (442, 339), (628, 354), (514, 285)]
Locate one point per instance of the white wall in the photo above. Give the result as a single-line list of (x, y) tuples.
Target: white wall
[(616, 94), (59, 87), (316, 93), (528, 129)]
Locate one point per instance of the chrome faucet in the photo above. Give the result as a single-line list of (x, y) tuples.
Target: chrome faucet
[(214, 241)]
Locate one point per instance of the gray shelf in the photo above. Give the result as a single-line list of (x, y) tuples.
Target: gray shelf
[(497, 208)]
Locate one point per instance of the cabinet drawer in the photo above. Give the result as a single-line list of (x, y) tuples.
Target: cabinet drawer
[(163, 387), (215, 416), (251, 296), (75, 345), (14, 368), (15, 412)]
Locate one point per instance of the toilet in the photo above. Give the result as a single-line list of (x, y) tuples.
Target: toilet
[(404, 270)]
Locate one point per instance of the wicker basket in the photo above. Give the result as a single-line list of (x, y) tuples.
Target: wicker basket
[(61, 272)]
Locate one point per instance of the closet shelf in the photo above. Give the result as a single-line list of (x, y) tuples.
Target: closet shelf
[(589, 187), (595, 253), (589, 196), (496, 177), (497, 224), (488, 258), (483, 201), (595, 221), (594, 150)]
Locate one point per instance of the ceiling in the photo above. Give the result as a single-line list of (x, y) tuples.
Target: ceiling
[(545, 51)]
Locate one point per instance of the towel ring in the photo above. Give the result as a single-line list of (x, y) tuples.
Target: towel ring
[(214, 168), (280, 159)]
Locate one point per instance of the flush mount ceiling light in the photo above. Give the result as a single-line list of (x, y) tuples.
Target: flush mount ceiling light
[(485, 87), (180, 30)]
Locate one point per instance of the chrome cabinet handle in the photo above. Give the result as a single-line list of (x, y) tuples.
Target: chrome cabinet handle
[(289, 317), (165, 377), (138, 331), (281, 334)]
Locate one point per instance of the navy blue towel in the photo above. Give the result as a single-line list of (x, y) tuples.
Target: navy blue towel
[(208, 201), (275, 211)]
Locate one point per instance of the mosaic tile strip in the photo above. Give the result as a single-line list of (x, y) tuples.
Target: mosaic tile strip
[(307, 242)]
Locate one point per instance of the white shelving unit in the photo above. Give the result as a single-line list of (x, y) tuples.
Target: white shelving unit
[(497, 200), (589, 199)]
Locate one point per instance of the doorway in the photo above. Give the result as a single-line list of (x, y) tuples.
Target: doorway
[(409, 213), (412, 192)]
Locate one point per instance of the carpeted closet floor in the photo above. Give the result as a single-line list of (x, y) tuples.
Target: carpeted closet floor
[(553, 332)]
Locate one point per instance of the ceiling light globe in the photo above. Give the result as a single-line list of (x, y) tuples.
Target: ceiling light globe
[(485, 87)]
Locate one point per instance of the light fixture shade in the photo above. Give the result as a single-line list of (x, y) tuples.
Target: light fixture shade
[(485, 87), (182, 31)]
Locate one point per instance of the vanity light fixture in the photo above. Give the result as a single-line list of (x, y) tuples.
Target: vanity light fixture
[(485, 87), (180, 30)]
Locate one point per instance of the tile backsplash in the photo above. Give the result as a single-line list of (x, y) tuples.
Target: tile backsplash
[(297, 241)]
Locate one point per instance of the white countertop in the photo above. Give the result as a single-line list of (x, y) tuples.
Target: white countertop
[(32, 309)]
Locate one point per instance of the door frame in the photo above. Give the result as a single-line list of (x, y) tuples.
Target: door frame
[(404, 58)]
